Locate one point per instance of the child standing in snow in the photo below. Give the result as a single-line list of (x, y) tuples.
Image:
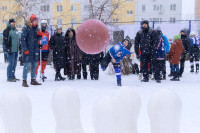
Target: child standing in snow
[(117, 53), (175, 53)]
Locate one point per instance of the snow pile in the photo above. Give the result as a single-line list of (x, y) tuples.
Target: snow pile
[(66, 107), (16, 112), (118, 113), (164, 110)]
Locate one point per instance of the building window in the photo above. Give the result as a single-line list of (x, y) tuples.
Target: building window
[(18, 13), (87, 8), (44, 8), (115, 20), (130, 12), (143, 8), (4, 8), (59, 8), (73, 20), (73, 8), (59, 21), (5, 21), (172, 20), (173, 7)]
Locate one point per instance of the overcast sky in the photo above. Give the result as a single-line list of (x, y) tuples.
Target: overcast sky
[(188, 9)]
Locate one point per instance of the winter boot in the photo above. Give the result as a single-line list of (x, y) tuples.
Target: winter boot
[(57, 78), (197, 68), (24, 83), (71, 77), (144, 80), (85, 76), (119, 82), (176, 77), (11, 80), (171, 74), (61, 78), (192, 69), (164, 77), (78, 76), (16, 79), (34, 82), (158, 81)]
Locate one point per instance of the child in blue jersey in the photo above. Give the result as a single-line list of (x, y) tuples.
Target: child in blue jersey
[(117, 53), (194, 52)]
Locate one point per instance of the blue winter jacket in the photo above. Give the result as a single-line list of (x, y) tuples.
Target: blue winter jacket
[(118, 52), (29, 41), (166, 44), (160, 54), (195, 41)]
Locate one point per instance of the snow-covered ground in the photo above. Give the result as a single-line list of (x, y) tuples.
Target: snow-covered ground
[(90, 92)]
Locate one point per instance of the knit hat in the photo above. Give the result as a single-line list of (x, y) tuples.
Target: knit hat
[(145, 22), (11, 20), (177, 37), (33, 17), (58, 27)]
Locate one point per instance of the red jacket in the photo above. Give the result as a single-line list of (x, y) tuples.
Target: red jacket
[(45, 41)]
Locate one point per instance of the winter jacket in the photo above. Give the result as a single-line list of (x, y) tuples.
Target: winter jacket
[(160, 54), (11, 40), (29, 42), (45, 41), (118, 52), (74, 55), (186, 41), (166, 44), (194, 45), (176, 50), (58, 45), (147, 41)]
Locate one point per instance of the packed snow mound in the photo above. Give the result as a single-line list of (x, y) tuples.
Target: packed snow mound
[(66, 108), (164, 110), (118, 113), (16, 112)]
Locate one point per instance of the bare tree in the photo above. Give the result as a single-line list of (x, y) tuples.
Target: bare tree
[(101, 8)]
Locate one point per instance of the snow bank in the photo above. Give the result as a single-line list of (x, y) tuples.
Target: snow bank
[(66, 108), (118, 113), (164, 110), (16, 112)]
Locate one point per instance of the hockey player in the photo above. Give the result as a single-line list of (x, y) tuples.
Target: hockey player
[(194, 52), (44, 49)]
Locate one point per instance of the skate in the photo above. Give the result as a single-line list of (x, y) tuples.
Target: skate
[(44, 78)]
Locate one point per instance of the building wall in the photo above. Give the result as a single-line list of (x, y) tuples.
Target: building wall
[(66, 15), (125, 11), (8, 9), (158, 10)]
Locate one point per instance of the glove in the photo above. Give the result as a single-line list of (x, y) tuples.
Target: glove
[(26, 52), (138, 57), (40, 46), (39, 33)]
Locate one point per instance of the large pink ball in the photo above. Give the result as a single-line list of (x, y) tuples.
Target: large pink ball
[(92, 36)]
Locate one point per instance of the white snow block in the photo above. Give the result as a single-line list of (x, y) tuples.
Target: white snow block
[(16, 112), (164, 110), (66, 108), (118, 113)]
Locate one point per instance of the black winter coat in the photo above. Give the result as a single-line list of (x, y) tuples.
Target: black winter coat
[(186, 43), (58, 45), (147, 41)]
